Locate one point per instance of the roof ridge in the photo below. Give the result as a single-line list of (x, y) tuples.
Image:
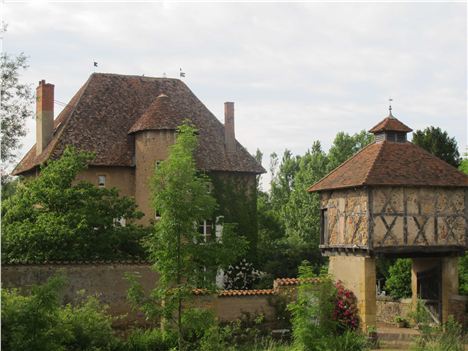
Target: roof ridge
[(133, 76), (373, 162), (341, 165)]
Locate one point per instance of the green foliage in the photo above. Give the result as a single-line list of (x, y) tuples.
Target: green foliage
[(16, 101), (182, 256), (399, 280), (464, 165), (53, 218), (149, 340), (447, 337), (236, 198), (313, 321), (345, 145), (38, 322), (289, 216), (463, 274), (437, 142)]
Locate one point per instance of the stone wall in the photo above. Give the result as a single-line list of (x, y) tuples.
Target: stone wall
[(106, 281), (388, 309)]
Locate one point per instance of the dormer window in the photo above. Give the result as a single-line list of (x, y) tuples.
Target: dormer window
[(102, 181)]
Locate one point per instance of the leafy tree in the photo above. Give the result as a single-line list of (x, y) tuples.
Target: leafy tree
[(399, 281), (183, 257), (302, 219), (15, 106), (283, 180), (438, 143), (345, 145), (53, 218)]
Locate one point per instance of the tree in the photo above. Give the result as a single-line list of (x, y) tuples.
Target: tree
[(53, 218), (184, 258), (345, 145), (438, 143), (15, 105), (399, 280)]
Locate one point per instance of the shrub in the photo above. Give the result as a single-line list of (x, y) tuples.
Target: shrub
[(149, 340), (346, 311), (448, 337), (324, 316), (399, 281), (38, 322)]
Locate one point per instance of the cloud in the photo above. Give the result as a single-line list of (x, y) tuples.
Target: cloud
[(297, 72)]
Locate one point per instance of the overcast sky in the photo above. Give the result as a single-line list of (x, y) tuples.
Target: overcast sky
[(297, 72)]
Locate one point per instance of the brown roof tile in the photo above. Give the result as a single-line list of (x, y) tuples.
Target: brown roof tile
[(293, 281), (107, 107), (390, 124), (161, 114), (226, 293), (392, 163)]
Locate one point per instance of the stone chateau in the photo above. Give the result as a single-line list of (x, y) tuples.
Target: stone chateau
[(130, 122)]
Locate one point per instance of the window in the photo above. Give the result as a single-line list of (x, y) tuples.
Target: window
[(324, 225), (102, 181), (157, 215), (205, 228)]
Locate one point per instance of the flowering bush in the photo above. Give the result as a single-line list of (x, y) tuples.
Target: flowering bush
[(346, 311), (241, 276)]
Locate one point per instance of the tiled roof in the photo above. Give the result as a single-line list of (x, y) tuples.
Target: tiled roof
[(293, 281), (161, 114), (226, 293), (392, 163), (99, 117), (390, 124)]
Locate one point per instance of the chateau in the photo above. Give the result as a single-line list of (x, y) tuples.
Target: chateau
[(130, 122)]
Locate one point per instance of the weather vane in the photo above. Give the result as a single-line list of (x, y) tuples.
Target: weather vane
[(390, 106)]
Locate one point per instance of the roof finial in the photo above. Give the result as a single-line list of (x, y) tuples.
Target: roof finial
[(390, 107)]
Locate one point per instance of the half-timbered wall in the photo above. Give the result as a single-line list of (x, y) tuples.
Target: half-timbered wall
[(408, 216), (346, 222)]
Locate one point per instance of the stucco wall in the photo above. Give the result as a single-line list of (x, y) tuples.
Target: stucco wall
[(347, 217), (150, 147), (122, 178)]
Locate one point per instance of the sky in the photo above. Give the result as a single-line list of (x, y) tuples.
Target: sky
[(297, 72)]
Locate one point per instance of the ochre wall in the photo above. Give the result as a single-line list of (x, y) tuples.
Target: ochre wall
[(359, 275), (439, 212), (347, 213), (122, 178), (150, 146)]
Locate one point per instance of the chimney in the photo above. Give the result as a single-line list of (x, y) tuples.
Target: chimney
[(44, 115), (229, 134)]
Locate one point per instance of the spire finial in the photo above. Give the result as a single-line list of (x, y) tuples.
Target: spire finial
[(390, 107)]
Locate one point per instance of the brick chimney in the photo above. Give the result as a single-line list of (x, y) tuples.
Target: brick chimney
[(229, 133), (44, 115)]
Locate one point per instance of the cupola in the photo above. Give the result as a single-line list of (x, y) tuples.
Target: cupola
[(390, 129)]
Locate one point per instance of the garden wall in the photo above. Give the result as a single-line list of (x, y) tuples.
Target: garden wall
[(107, 282)]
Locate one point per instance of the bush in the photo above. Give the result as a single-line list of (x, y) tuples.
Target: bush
[(399, 281), (149, 340), (38, 322), (448, 337), (346, 311), (241, 276), (322, 317)]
